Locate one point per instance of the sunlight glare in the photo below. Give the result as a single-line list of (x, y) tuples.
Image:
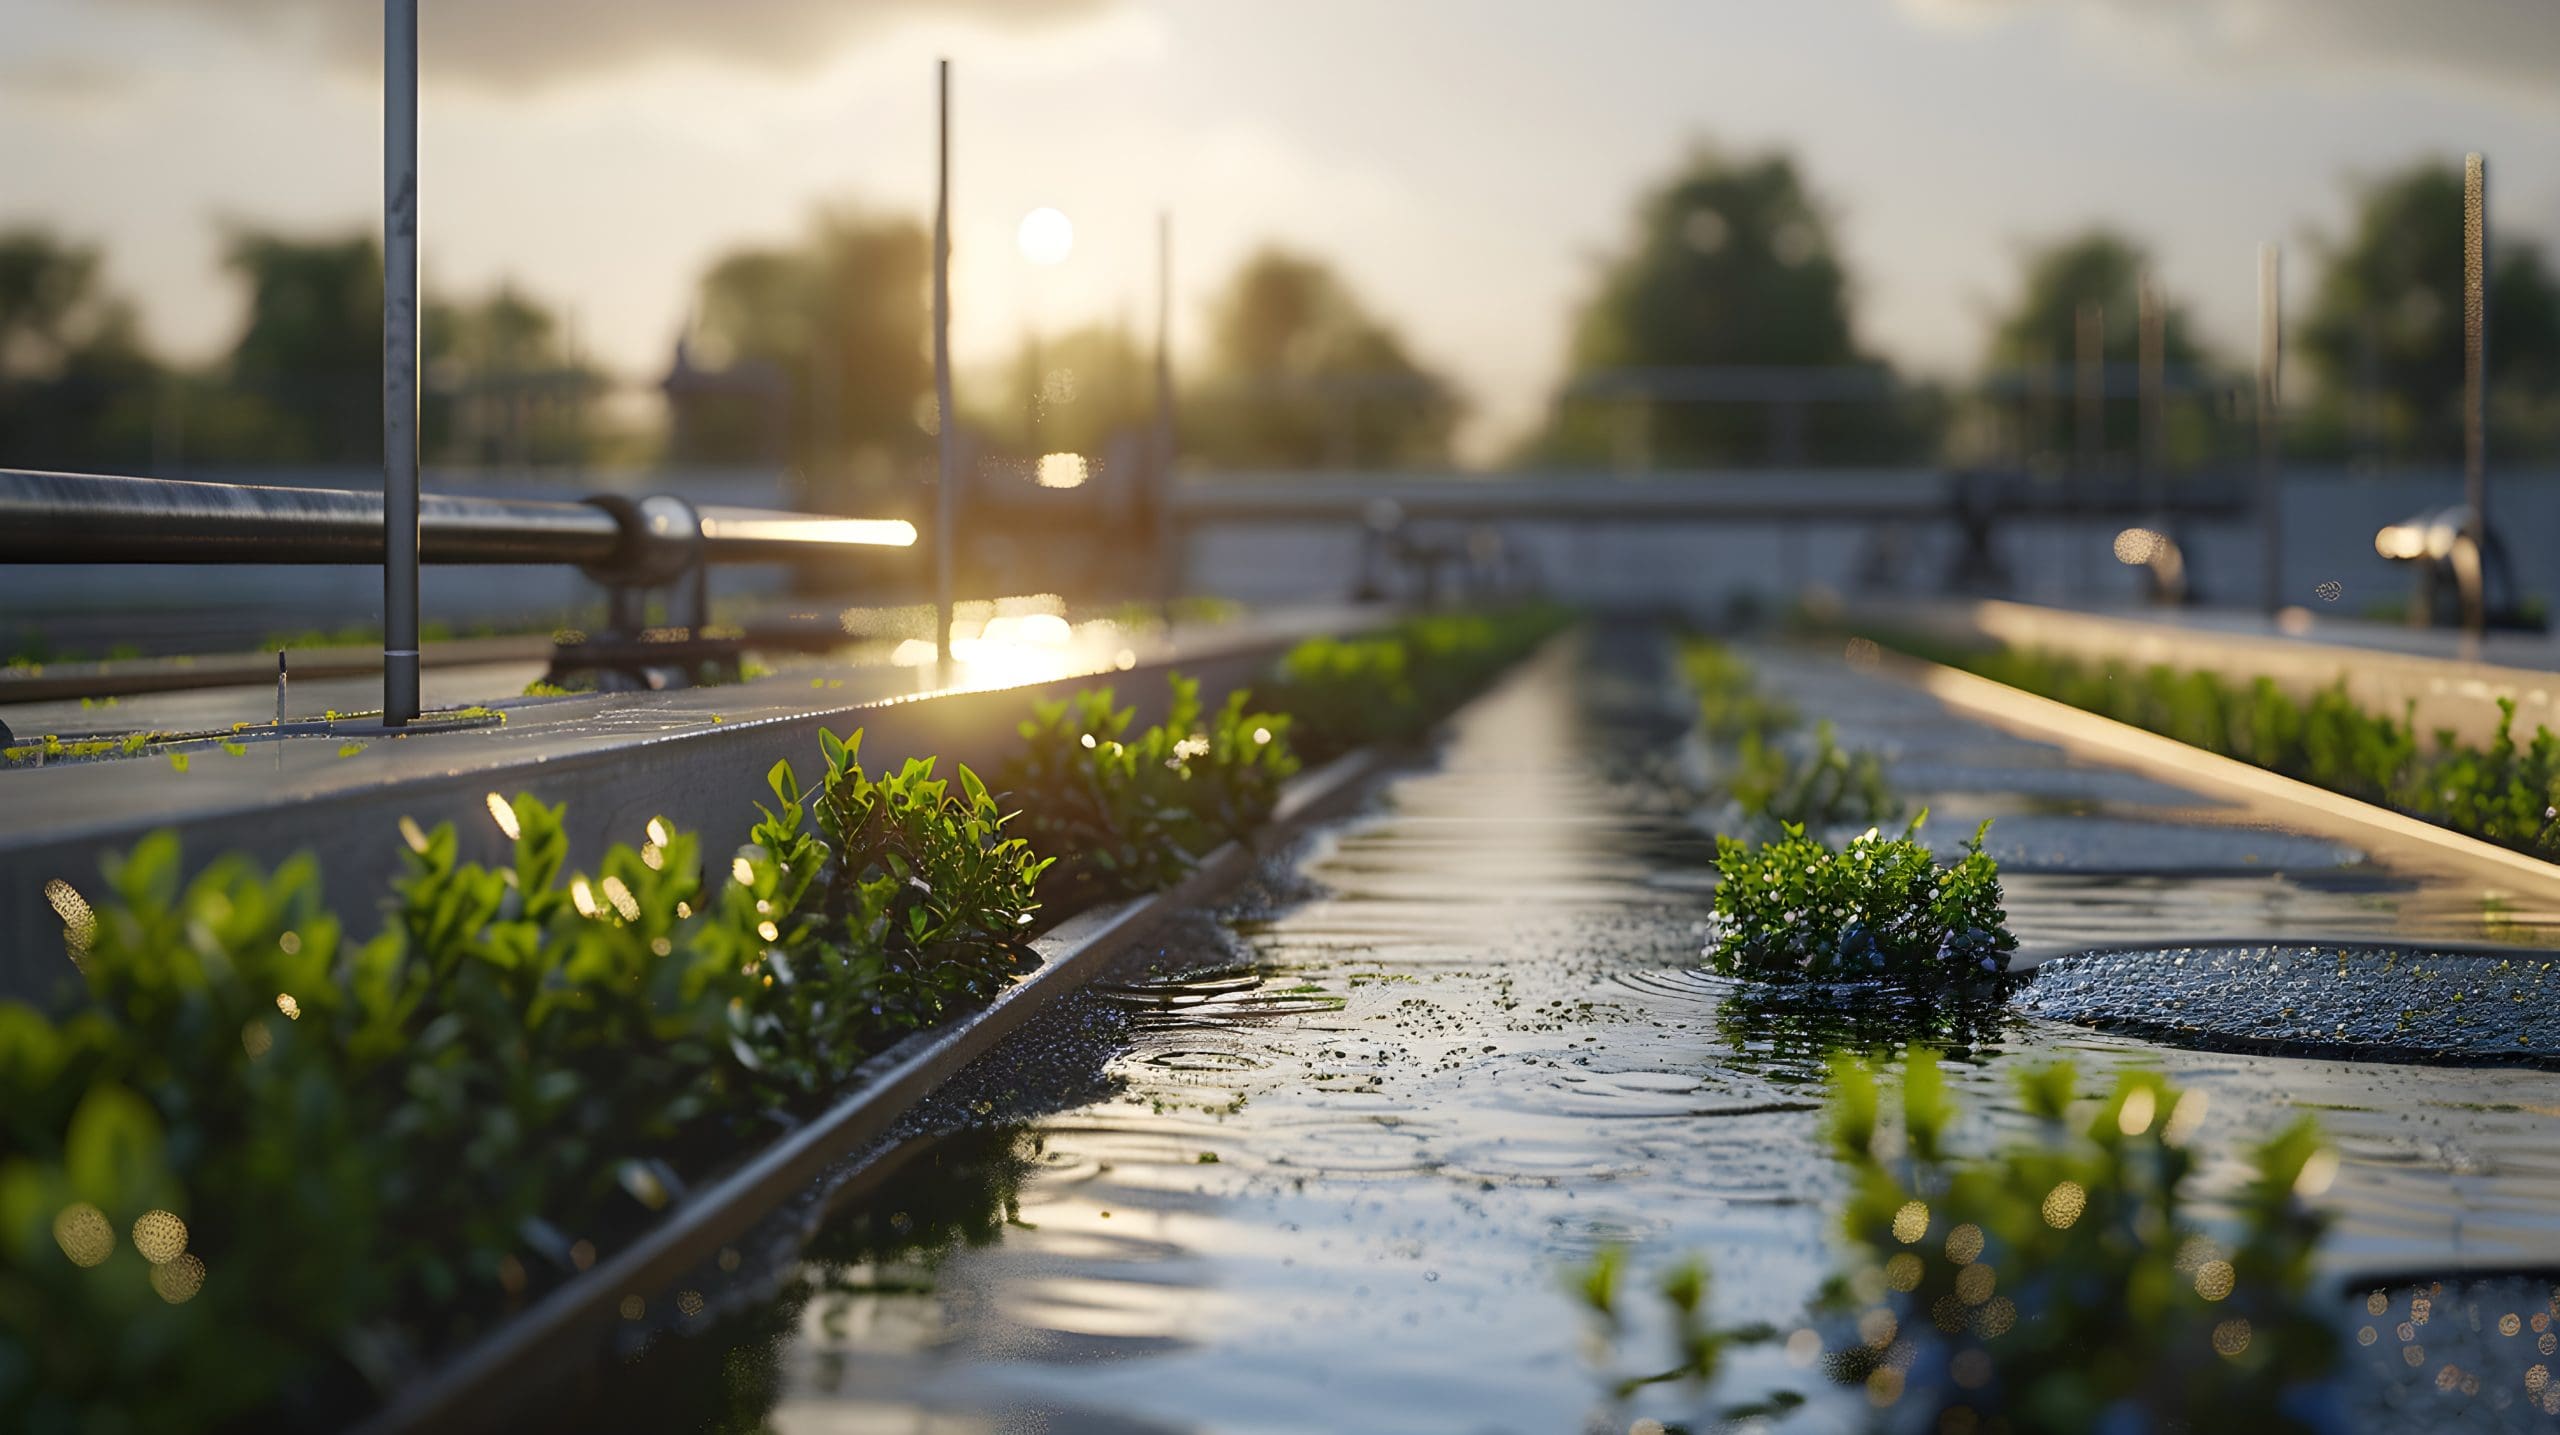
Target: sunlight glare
[(1046, 237)]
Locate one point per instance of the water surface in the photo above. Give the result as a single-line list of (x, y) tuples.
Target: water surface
[(1323, 1168)]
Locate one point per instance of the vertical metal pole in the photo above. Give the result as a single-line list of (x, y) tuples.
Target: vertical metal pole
[(2089, 415), (2152, 377), (946, 422), (399, 361), (1168, 557), (2270, 433), (2475, 384), (2088, 345)]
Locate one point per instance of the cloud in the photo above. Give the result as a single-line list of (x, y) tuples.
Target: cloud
[(530, 44), (2509, 45), (65, 83)]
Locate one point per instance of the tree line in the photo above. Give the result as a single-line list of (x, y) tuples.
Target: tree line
[(812, 354)]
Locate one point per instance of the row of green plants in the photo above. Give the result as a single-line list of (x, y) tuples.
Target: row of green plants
[(273, 1166), (2507, 792), (1392, 684), (1771, 773), (2057, 1281)]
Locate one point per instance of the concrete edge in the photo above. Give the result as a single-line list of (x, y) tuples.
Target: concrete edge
[(2086, 734), (471, 1390)]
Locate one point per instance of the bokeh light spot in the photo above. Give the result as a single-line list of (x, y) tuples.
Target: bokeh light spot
[(2063, 1205), (1964, 1244), (160, 1236), (83, 1233), (177, 1281)]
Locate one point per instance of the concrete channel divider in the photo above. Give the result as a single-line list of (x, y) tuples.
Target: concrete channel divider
[(2384, 668), (2317, 809), (473, 1390), (696, 758), (130, 677)]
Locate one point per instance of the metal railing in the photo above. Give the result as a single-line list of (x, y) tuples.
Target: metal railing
[(627, 545)]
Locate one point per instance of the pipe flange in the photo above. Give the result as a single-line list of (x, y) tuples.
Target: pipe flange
[(661, 541)]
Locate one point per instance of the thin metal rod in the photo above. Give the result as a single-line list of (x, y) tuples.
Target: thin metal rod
[(2270, 430), (2088, 338), (1168, 555), (2475, 383), (399, 361), (2150, 340), (945, 422)]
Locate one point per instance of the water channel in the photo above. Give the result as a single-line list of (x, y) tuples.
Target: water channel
[(1323, 1162)]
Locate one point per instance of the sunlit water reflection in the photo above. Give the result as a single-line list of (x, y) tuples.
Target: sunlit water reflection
[(1331, 1175)]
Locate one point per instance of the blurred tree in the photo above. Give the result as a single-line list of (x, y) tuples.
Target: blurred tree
[(76, 387), (816, 354), (502, 386), (303, 382), (1731, 265), (1074, 393), (1303, 376), (2383, 332), (306, 373), (2096, 266), (2034, 351)]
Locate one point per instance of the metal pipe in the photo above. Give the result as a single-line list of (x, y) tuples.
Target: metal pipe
[(400, 518), (102, 518), (754, 535), (946, 423), (97, 518)]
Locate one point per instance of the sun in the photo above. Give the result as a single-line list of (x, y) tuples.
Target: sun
[(1046, 237)]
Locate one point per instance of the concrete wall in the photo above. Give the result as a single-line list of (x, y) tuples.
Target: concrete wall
[(1703, 562)]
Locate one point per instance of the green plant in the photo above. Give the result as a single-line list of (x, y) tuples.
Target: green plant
[(1390, 686), (1697, 1348), (1731, 706), (361, 1154), (267, 1171), (1343, 692), (1795, 909), (924, 912), (2060, 1283), (1828, 789), (1131, 813), (2506, 792)]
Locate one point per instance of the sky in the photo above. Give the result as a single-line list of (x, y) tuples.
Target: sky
[(1468, 164)]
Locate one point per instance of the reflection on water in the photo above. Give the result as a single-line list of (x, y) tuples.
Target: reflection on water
[(865, 1279), (1334, 1185), (2471, 1354)]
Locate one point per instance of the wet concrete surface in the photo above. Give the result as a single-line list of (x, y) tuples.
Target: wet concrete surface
[(1325, 1167)]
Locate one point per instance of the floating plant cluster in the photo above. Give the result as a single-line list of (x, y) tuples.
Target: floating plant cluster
[(1877, 908)]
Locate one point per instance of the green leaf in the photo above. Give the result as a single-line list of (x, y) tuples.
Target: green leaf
[(113, 1154)]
